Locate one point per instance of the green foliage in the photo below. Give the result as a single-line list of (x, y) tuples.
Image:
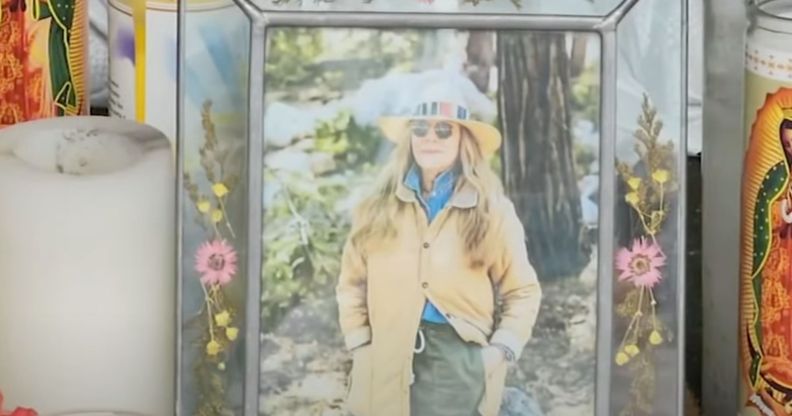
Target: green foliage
[(303, 238), (290, 50), (349, 143), (586, 95), (307, 222), (584, 157)]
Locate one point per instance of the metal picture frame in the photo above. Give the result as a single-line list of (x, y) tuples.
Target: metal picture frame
[(605, 27)]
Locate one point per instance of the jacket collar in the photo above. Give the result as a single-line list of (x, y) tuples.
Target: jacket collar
[(464, 197)]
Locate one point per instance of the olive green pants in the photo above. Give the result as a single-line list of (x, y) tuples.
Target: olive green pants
[(449, 374)]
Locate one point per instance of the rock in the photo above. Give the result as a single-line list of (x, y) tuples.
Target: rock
[(516, 402), (284, 123), (320, 387), (289, 159), (322, 163)]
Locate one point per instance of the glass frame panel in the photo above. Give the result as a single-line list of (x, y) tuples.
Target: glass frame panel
[(605, 27)]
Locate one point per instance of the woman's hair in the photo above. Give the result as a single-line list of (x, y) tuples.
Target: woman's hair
[(376, 213)]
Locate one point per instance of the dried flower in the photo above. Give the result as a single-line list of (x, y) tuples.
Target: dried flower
[(640, 264), (634, 182), (622, 358), (219, 189), (19, 411), (213, 348), (203, 206), (632, 198), (217, 216), (660, 176), (632, 350), (222, 319), (232, 333), (216, 262), (655, 338)]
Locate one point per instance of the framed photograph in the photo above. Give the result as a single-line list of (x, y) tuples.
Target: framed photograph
[(445, 208)]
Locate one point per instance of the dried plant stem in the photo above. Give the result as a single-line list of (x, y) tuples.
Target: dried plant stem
[(225, 217)]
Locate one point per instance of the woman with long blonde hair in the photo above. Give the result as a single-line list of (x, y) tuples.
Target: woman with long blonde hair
[(432, 249)]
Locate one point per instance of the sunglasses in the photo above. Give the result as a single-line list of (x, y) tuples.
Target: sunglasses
[(442, 129)]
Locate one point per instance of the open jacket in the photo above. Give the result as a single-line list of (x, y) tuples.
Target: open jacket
[(383, 287)]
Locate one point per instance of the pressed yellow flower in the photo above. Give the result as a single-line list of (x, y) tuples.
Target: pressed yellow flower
[(660, 176), (219, 189), (634, 183), (223, 319), (232, 333), (213, 347), (632, 350), (622, 358), (204, 206), (632, 198), (217, 216), (655, 338)]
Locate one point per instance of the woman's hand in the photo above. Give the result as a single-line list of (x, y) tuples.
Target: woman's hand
[(493, 357)]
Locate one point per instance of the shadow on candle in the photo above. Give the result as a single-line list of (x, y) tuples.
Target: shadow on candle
[(87, 267)]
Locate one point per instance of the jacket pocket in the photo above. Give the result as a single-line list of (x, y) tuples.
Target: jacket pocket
[(358, 400)]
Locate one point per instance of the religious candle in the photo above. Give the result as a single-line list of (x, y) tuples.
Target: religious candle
[(43, 59), (87, 267), (766, 246)]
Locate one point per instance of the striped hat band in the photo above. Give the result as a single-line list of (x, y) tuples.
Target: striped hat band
[(441, 109)]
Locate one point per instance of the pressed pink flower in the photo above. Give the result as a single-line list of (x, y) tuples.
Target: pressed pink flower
[(640, 264), (216, 262)]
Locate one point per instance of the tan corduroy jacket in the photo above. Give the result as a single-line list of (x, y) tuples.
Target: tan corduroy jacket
[(383, 287)]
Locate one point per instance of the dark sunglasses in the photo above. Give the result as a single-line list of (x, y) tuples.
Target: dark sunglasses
[(442, 129)]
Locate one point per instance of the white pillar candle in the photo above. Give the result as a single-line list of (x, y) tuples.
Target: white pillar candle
[(87, 267)]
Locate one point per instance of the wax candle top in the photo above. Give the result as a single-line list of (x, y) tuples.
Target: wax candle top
[(80, 145)]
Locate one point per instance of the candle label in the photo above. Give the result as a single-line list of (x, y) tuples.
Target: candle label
[(43, 59), (766, 266), (143, 55)]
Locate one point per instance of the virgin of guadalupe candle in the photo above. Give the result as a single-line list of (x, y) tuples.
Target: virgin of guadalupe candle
[(766, 246), (87, 267), (43, 59)]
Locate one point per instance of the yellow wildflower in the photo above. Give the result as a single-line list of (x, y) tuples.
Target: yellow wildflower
[(632, 198), (632, 350), (219, 189), (213, 347), (204, 206), (634, 183), (223, 319), (622, 358), (660, 176), (655, 338), (217, 216), (232, 333)]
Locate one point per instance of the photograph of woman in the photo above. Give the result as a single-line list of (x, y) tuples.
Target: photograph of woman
[(431, 219), (436, 293)]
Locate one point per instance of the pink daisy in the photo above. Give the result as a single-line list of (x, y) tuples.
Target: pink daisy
[(640, 264), (216, 261)]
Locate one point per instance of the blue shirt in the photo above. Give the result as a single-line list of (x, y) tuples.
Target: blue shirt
[(441, 193)]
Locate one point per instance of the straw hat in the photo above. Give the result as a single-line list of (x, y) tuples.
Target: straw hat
[(442, 104)]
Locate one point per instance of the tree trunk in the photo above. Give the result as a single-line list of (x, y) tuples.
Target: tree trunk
[(538, 158)]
